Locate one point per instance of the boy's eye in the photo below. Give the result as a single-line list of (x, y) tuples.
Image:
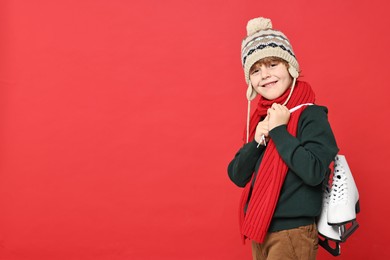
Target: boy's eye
[(255, 71), (274, 64)]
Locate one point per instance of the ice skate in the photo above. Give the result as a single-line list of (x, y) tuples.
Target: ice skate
[(344, 199), (329, 233)]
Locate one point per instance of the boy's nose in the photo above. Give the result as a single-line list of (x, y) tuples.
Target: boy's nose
[(264, 73)]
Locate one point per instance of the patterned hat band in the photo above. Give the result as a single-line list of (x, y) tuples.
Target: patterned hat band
[(268, 45)]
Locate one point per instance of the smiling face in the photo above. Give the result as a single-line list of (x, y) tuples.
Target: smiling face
[(270, 77)]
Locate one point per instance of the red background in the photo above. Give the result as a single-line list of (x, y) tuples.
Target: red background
[(118, 119)]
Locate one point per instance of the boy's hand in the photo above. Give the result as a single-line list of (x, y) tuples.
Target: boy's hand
[(262, 129), (278, 115)]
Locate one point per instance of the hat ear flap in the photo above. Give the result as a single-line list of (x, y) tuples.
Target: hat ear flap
[(293, 72), (250, 92)]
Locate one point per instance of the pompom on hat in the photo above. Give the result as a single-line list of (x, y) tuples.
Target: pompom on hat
[(261, 42)]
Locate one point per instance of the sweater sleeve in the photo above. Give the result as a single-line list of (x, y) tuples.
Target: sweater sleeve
[(310, 153), (243, 165)]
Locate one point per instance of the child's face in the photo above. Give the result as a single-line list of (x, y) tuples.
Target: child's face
[(270, 79)]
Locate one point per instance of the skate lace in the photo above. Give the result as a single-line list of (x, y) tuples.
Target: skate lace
[(339, 185)]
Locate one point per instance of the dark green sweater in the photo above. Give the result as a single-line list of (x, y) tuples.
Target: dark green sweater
[(307, 156)]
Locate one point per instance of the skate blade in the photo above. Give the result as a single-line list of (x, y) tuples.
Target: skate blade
[(348, 231), (336, 251)]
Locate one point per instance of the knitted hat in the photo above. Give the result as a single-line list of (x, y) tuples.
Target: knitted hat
[(262, 41)]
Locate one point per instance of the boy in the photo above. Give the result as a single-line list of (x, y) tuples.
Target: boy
[(289, 147)]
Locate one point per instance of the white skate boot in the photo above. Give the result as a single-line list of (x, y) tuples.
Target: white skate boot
[(329, 233), (344, 199)]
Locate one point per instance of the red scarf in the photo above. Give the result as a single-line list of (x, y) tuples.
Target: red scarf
[(272, 172)]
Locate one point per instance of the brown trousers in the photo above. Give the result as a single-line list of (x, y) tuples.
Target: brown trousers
[(296, 244)]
